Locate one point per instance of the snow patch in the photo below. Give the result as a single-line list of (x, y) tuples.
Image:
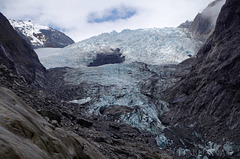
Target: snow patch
[(31, 30)]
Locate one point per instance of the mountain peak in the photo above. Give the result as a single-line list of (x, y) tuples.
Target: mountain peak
[(38, 35), (204, 23)]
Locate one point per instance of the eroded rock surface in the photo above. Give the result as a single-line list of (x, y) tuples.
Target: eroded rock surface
[(25, 134)]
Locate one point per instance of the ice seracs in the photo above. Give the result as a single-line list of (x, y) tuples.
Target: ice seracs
[(152, 46)]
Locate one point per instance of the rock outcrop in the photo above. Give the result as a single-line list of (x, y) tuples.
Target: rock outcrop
[(115, 56), (207, 99), (18, 56), (56, 38), (185, 25)]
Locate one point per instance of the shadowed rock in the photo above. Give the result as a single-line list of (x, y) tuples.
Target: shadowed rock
[(107, 58), (208, 97), (18, 56)]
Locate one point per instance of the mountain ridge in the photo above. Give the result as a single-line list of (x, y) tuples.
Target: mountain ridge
[(39, 36)]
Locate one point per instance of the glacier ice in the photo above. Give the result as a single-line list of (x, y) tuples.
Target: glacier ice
[(162, 141), (81, 101), (152, 46), (118, 85), (182, 152), (228, 149)]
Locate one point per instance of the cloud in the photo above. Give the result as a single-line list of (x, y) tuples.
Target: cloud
[(113, 14), (213, 10), (82, 19)]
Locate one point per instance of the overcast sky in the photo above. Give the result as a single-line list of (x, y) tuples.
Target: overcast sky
[(81, 19)]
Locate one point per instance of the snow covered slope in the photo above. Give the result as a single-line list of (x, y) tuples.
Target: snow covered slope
[(40, 36), (152, 46), (31, 30)]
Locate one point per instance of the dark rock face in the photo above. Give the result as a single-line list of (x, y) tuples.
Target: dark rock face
[(84, 123), (56, 38), (208, 97), (18, 56), (108, 58), (35, 137), (23, 36), (201, 26)]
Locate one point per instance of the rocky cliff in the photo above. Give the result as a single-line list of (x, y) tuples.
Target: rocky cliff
[(208, 97), (204, 23), (18, 56)]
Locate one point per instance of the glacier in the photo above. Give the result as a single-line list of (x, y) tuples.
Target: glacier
[(153, 46), (118, 85), (123, 92)]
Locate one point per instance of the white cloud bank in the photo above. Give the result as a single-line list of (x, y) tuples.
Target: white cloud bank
[(72, 16)]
